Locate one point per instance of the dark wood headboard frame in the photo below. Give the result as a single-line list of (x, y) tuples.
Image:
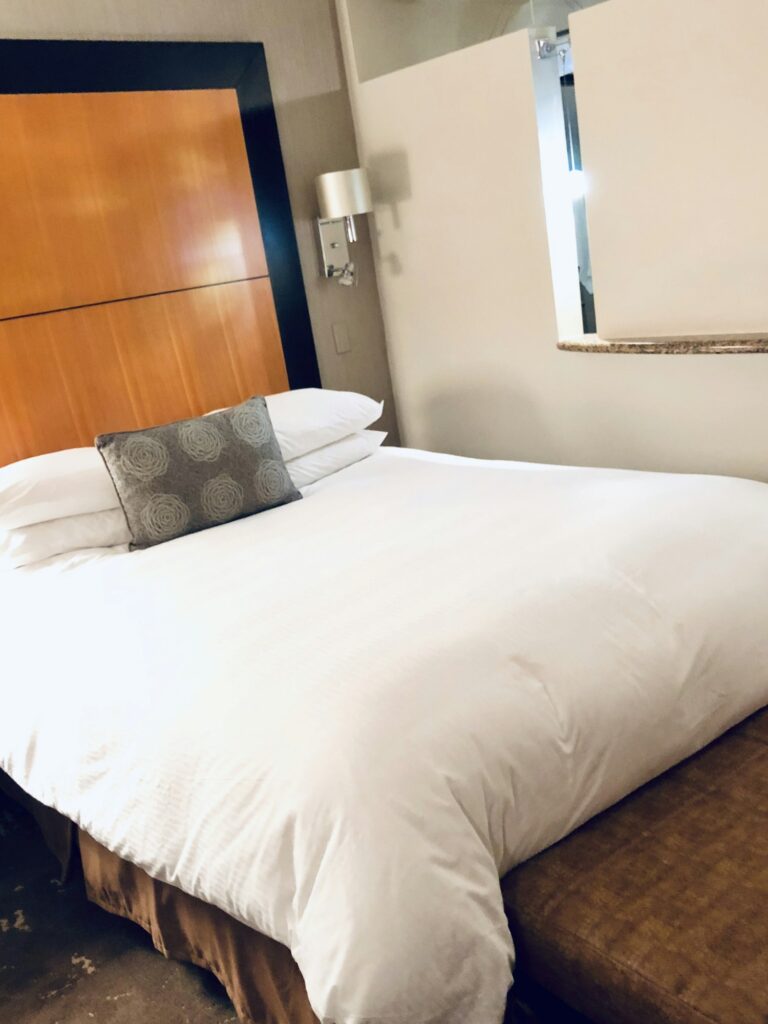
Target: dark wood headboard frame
[(65, 66)]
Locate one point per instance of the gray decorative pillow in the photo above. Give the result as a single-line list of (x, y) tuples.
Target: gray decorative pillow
[(188, 476)]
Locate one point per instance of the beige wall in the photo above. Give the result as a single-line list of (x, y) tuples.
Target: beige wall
[(675, 133), (315, 125), (466, 286), (393, 34), (527, 13)]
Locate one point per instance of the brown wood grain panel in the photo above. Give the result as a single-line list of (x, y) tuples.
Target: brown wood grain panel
[(67, 376), (109, 195)]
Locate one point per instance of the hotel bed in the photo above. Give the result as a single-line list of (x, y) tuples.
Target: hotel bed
[(341, 721), (303, 747)]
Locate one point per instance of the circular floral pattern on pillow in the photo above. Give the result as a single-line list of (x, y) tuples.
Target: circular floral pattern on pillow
[(202, 441), (144, 457), (222, 498), (187, 476), (165, 516), (272, 481), (251, 424)]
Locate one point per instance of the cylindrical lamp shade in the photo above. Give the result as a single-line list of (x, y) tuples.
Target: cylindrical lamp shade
[(344, 194)]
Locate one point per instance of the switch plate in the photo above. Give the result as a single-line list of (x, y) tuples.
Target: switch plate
[(341, 338)]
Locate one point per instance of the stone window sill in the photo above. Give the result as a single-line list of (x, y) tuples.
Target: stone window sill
[(725, 344)]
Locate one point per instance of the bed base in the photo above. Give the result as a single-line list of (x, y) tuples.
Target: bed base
[(655, 911)]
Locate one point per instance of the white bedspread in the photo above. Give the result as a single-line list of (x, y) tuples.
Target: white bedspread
[(342, 720)]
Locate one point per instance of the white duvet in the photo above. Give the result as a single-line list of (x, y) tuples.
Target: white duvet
[(342, 720)]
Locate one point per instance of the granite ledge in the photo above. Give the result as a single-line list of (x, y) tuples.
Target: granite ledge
[(722, 344)]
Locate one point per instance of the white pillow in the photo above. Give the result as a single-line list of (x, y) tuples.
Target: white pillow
[(75, 481), (332, 457), (310, 418), (26, 545), (68, 483)]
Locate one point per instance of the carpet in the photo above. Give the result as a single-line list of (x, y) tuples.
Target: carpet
[(65, 961)]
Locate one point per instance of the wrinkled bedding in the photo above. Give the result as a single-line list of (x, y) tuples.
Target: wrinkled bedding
[(342, 720)]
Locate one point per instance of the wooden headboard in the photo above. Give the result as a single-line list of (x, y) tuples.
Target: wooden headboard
[(148, 262)]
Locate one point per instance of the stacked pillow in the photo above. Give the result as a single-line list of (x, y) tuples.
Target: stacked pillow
[(313, 466), (66, 501), (321, 432), (54, 503)]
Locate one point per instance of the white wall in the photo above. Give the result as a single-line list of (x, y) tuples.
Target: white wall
[(316, 133), (466, 289)]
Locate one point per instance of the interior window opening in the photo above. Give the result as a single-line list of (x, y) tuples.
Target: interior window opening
[(578, 181)]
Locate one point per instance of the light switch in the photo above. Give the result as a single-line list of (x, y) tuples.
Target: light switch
[(341, 338)]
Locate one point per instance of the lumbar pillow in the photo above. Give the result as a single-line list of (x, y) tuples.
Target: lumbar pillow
[(309, 418), (194, 474), (331, 458)]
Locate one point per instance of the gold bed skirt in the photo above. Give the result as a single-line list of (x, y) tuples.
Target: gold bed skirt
[(260, 975)]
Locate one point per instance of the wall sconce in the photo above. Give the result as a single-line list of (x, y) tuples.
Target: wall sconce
[(342, 195)]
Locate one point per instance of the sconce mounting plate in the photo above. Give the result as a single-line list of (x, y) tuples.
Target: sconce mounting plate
[(334, 246)]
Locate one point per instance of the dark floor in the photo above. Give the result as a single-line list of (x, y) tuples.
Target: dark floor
[(65, 961)]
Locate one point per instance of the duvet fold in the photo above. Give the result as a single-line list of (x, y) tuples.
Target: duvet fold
[(341, 721)]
